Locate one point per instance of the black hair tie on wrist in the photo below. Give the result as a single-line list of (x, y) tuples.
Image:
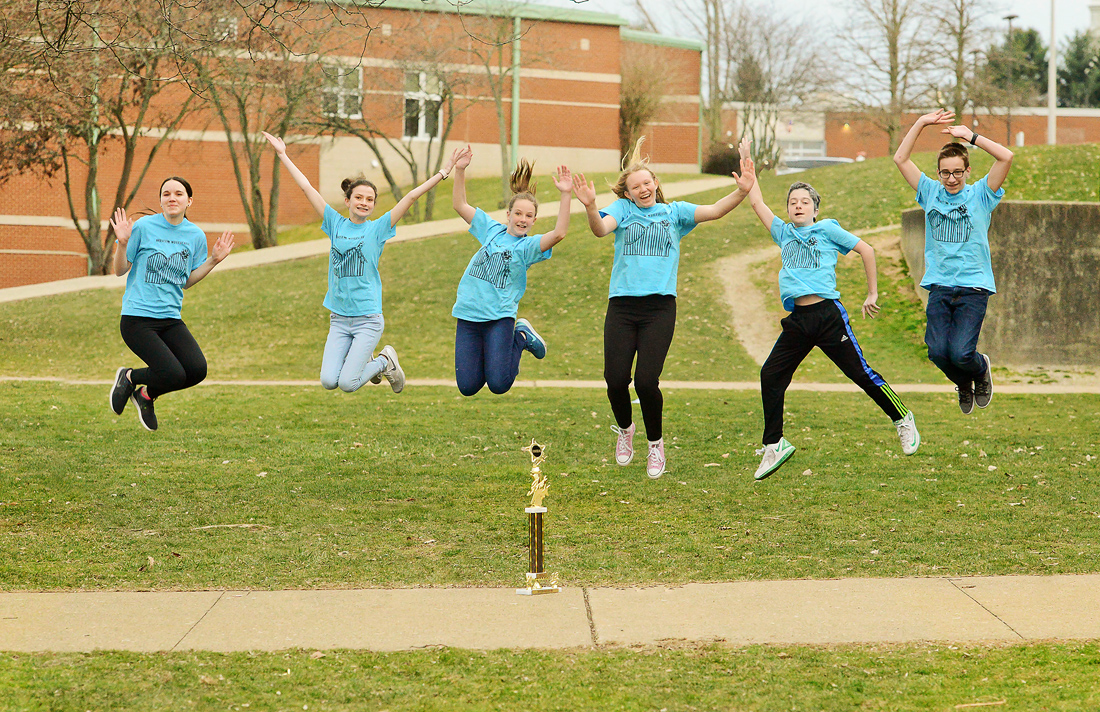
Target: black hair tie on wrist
[(973, 138)]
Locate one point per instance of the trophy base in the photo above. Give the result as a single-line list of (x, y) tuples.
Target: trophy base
[(536, 588)]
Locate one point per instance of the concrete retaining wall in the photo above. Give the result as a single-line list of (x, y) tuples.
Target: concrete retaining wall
[(1046, 260)]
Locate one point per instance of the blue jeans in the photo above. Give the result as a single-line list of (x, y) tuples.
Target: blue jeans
[(349, 360), (955, 316), (487, 352)]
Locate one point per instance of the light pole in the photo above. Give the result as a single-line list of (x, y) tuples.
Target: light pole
[(1011, 57), (1052, 84)]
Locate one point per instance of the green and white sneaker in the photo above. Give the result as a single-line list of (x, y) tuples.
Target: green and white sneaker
[(907, 433), (774, 457)]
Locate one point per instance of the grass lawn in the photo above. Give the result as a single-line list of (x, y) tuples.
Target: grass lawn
[(427, 487), (1057, 676)]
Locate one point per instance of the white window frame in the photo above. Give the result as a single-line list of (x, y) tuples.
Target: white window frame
[(423, 97), (349, 99)]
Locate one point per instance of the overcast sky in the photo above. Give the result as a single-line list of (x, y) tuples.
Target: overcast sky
[(1072, 15)]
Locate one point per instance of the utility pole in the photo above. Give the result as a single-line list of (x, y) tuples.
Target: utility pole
[(1011, 78), (1052, 84)]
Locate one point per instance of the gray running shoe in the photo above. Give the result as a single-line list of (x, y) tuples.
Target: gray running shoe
[(983, 387), (393, 372), (966, 400)]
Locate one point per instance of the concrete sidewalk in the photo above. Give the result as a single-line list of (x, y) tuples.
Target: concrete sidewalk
[(845, 611), (313, 248)]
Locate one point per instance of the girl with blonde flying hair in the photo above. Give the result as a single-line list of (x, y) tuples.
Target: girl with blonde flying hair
[(489, 340), (641, 310)]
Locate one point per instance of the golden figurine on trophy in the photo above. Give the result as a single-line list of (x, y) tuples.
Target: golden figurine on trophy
[(538, 581)]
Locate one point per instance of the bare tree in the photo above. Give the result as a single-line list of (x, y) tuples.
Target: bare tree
[(94, 97), (644, 84), (776, 65), (964, 30), (890, 47)]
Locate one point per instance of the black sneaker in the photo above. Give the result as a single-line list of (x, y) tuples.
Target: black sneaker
[(966, 400), (144, 405), (120, 392), (983, 387)]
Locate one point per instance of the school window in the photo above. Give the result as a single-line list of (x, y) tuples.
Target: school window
[(423, 103), (225, 29), (343, 92)]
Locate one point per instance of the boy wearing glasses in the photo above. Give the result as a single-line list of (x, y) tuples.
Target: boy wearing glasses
[(958, 273)]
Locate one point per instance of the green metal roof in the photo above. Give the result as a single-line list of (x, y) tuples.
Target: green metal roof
[(653, 38), (496, 8)]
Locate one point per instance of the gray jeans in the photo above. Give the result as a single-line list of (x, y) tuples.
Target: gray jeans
[(349, 351)]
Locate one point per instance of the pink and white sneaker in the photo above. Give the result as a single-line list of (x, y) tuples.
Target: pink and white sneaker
[(655, 462), (624, 446)]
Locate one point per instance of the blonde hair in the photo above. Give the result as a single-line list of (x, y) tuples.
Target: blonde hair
[(521, 184), (632, 164)]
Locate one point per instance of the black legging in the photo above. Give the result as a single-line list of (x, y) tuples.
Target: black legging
[(174, 359), (642, 326)]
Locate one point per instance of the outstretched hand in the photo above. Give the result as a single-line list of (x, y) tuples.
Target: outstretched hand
[(462, 156), (747, 179), (276, 142), (223, 247), (870, 306), (584, 190), (563, 179), (122, 225), (961, 132), (937, 117)]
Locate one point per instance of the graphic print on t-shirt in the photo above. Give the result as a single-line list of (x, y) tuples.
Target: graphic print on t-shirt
[(350, 263), (956, 226), (648, 240), (168, 269), (493, 268), (797, 255)]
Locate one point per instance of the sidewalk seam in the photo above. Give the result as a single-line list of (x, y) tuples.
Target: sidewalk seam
[(984, 608), (205, 613), (591, 621)]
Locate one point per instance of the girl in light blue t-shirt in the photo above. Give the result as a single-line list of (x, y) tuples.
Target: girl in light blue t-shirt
[(489, 340), (354, 287), (161, 255), (641, 309)]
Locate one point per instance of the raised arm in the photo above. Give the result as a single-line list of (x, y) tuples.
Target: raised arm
[(902, 159), (398, 211), (745, 181), (221, 250), (1003, 157), (585, 191), (756, 200), (123, 228), (460, 159), (563, 181), (312, 195), (867, 254)]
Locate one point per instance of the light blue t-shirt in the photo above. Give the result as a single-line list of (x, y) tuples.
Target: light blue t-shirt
[(956, 234), (647, 246), (354, 287), (496, 277), (162, 257), (809, 258)]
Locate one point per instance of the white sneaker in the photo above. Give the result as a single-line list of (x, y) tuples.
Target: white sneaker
[(393, 372), (624, 446), (774, 456), (655, 462), (907, 433)]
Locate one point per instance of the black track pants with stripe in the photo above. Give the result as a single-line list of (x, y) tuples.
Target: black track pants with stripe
[(824, 325)]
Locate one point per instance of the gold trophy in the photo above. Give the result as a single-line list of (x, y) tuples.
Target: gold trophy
[(538, 581)]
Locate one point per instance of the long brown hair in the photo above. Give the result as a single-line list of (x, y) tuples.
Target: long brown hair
[(522, 185), (632, 164)]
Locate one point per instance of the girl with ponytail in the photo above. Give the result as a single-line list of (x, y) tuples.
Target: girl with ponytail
[(354, 287), (489, 340), (641, 310)]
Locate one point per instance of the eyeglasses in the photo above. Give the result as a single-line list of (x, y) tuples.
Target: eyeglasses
[(945, 174)]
